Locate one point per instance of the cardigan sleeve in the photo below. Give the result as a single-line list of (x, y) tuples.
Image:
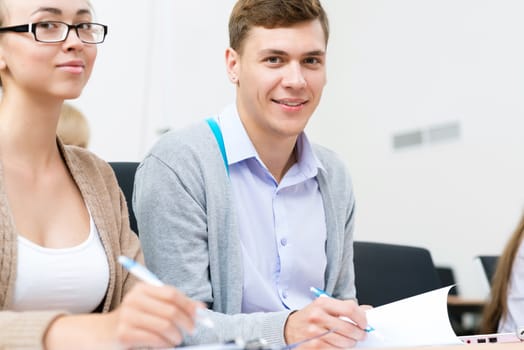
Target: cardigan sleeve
[(25, 330), (129, 244), (173, 214)]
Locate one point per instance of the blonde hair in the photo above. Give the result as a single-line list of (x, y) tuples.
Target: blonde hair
[(497, 307), (73, 128)]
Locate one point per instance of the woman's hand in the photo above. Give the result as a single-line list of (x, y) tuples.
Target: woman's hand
[(154, 316), (149, 316)]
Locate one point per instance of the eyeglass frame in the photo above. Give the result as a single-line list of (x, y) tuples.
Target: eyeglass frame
[(31, 28)]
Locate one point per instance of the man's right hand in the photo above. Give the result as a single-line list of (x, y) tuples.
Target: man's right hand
[(324, 314)]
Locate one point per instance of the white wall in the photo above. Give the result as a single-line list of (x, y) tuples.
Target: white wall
[(162, 66), (393, 66), (407, 64)]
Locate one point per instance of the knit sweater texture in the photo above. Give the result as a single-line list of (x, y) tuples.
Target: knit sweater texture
[(102, 195), (186, 217)]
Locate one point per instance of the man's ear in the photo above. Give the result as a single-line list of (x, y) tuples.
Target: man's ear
[(232, 65)]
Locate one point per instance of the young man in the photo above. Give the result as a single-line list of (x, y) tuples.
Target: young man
[(250, 231)]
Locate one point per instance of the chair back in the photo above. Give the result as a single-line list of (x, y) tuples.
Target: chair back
[(489, 265), (447, 278), (388, 272), (125, 175)]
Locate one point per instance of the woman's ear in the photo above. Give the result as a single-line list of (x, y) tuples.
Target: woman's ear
[(232, 65), (3, 63)]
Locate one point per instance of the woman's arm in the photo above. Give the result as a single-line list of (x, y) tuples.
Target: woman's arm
[(149, 316)]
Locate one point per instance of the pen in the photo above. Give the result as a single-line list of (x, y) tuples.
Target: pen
[(143, 274), (321, 293)]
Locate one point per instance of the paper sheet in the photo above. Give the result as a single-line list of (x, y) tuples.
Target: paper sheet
[(417, 321), (421, 320), (210, 347)]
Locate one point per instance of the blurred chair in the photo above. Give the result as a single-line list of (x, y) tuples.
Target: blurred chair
[(447, 278), (125, 174), (388, 272), (489, 265), (460, 307)]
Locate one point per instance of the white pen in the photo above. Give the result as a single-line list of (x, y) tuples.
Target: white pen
[(142, 273)]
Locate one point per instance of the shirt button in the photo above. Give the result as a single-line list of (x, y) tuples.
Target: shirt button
[(283, 242), (284, 294)]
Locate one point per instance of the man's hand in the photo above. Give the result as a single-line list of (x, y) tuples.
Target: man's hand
[(322, 315)]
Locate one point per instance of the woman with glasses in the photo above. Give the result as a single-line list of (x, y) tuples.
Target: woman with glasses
[(63, 218)]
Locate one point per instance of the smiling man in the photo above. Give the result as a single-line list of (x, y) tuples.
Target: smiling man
[(243, 212)]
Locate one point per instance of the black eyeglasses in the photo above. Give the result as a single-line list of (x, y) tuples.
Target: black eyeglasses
[(56, 31)]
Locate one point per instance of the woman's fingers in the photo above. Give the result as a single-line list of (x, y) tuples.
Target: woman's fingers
[(155, 316)]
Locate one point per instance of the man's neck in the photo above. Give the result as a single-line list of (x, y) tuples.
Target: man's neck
[(278, 157), (275, 148)]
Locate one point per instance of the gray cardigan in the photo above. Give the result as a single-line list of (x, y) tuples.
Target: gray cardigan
[(189, 233)]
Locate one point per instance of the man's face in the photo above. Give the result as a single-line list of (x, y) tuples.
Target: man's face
[(280, 75)]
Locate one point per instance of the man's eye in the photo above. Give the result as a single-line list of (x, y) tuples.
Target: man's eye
[(273, 60), (311, 60)]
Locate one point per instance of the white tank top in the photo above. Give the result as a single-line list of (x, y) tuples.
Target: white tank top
[(73, 279)]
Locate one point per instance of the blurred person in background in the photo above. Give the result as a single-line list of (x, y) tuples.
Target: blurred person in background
[(505, 310), (73, 127)]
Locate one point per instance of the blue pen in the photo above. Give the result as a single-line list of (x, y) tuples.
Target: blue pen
[(321, 293), (142, 273), (139, 271)]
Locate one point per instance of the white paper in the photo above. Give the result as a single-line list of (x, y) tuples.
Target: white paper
[(421, 320), (210, 347)]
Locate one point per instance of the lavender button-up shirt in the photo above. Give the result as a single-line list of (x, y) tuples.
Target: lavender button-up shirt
[(282, 225)]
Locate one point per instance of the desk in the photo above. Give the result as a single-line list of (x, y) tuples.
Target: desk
[(459, 304), (459, 307), (501, 346), (456, 300)]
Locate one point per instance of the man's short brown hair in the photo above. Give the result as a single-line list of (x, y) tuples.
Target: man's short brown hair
[(272, 14)]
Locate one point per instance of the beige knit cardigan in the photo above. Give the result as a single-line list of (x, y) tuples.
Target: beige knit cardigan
[(101, 193)]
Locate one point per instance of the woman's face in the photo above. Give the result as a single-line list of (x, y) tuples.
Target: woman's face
[(58, 70)]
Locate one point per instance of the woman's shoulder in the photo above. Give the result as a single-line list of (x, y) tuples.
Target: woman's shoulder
[(91, 173), (81, 159)]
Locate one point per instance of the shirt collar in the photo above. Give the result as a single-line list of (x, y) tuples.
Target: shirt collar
[(307, 161), (239, 146), (236, 141)]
